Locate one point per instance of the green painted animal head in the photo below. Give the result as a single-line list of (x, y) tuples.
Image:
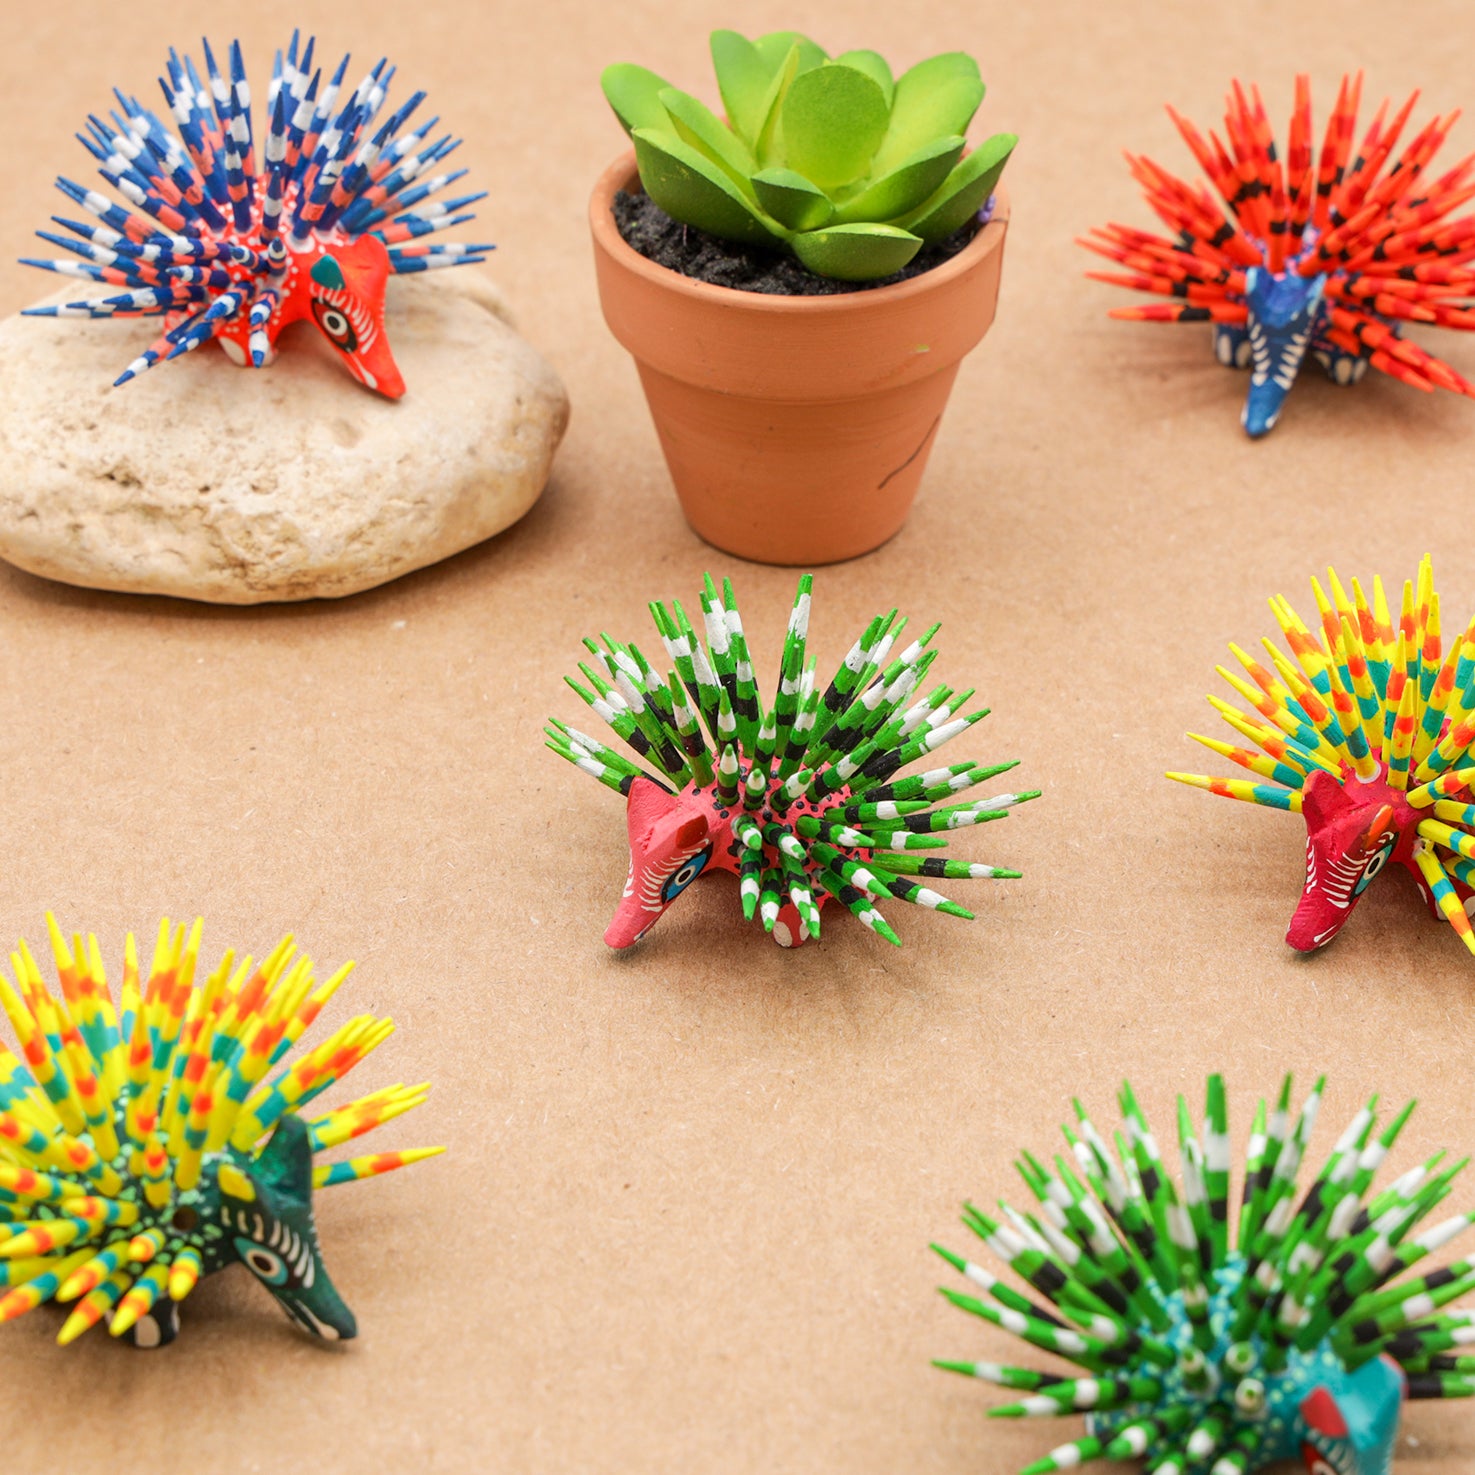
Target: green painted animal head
[(266, 1214), (829, 158)]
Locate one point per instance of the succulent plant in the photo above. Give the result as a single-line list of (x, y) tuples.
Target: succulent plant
[(826, 157)]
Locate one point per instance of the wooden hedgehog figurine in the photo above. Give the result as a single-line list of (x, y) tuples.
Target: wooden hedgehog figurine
[(230, 248), (1366, 734), (801, 802), (1204, 1358), (145, 1146), (1325, 252)]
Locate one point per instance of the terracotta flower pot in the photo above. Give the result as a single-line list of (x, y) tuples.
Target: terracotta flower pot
[(796, 429)]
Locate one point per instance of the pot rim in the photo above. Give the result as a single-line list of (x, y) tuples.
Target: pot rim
[(622, 172)]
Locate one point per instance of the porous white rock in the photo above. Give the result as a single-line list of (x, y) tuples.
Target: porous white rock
[(240, 486)]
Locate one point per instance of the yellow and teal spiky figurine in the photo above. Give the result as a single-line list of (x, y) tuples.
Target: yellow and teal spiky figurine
[(144, 1146)]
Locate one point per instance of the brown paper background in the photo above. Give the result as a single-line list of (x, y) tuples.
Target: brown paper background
[(683, 1223)]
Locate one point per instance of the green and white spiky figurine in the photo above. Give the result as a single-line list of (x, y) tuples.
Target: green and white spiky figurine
[(801, 802), (1206, 1358)]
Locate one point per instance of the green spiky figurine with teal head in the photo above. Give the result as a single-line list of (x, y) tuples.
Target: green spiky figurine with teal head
[(1204, 1358)]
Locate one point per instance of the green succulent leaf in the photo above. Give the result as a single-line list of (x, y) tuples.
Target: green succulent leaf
[(746, 71), (769, 145), (635, 95), (834, 119), (964, 190), (873, 64), (774, 49), (792, 200), (909, 185), (695, 123), (856, 253), (935, 99), (742, 79), (689, 187)]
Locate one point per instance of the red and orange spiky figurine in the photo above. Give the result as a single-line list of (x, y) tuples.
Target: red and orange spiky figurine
[(1326, 252)]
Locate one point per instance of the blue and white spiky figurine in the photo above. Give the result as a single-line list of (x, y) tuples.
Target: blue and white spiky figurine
[(224, 246)]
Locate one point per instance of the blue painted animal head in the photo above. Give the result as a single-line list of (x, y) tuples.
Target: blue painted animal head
[(1286, 310), (266, 1213), (1348, 1421)]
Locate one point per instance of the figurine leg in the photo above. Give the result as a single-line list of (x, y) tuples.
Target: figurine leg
[(1231, 346), (789, 929), (1465, 894), (1341, 368), (1428, 897), (159, 1327)]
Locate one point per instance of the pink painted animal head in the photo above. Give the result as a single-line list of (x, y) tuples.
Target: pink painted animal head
[(1352, 831), (670, 846)]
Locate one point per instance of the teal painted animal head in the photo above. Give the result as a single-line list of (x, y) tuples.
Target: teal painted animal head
[(1348, 1422), (266, 1213)]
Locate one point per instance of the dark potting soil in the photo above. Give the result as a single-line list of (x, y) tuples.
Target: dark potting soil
[(649, 230)]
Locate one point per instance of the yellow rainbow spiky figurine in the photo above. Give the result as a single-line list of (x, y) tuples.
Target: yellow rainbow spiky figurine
[(1367, 731), (145, 1146)]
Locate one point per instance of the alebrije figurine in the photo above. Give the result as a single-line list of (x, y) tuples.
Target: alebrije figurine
[(1367, 736), (1324, 252), (1202, 1358), (147, 1145), (801, 802), (235, 251)]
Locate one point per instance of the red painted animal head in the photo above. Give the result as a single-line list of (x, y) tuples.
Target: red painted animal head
[(670, 845), (1352, 830), (341, 289)]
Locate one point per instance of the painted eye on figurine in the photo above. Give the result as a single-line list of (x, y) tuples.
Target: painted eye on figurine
[(1376, 864), (686, 874), (335, 324), (263, 1263)]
